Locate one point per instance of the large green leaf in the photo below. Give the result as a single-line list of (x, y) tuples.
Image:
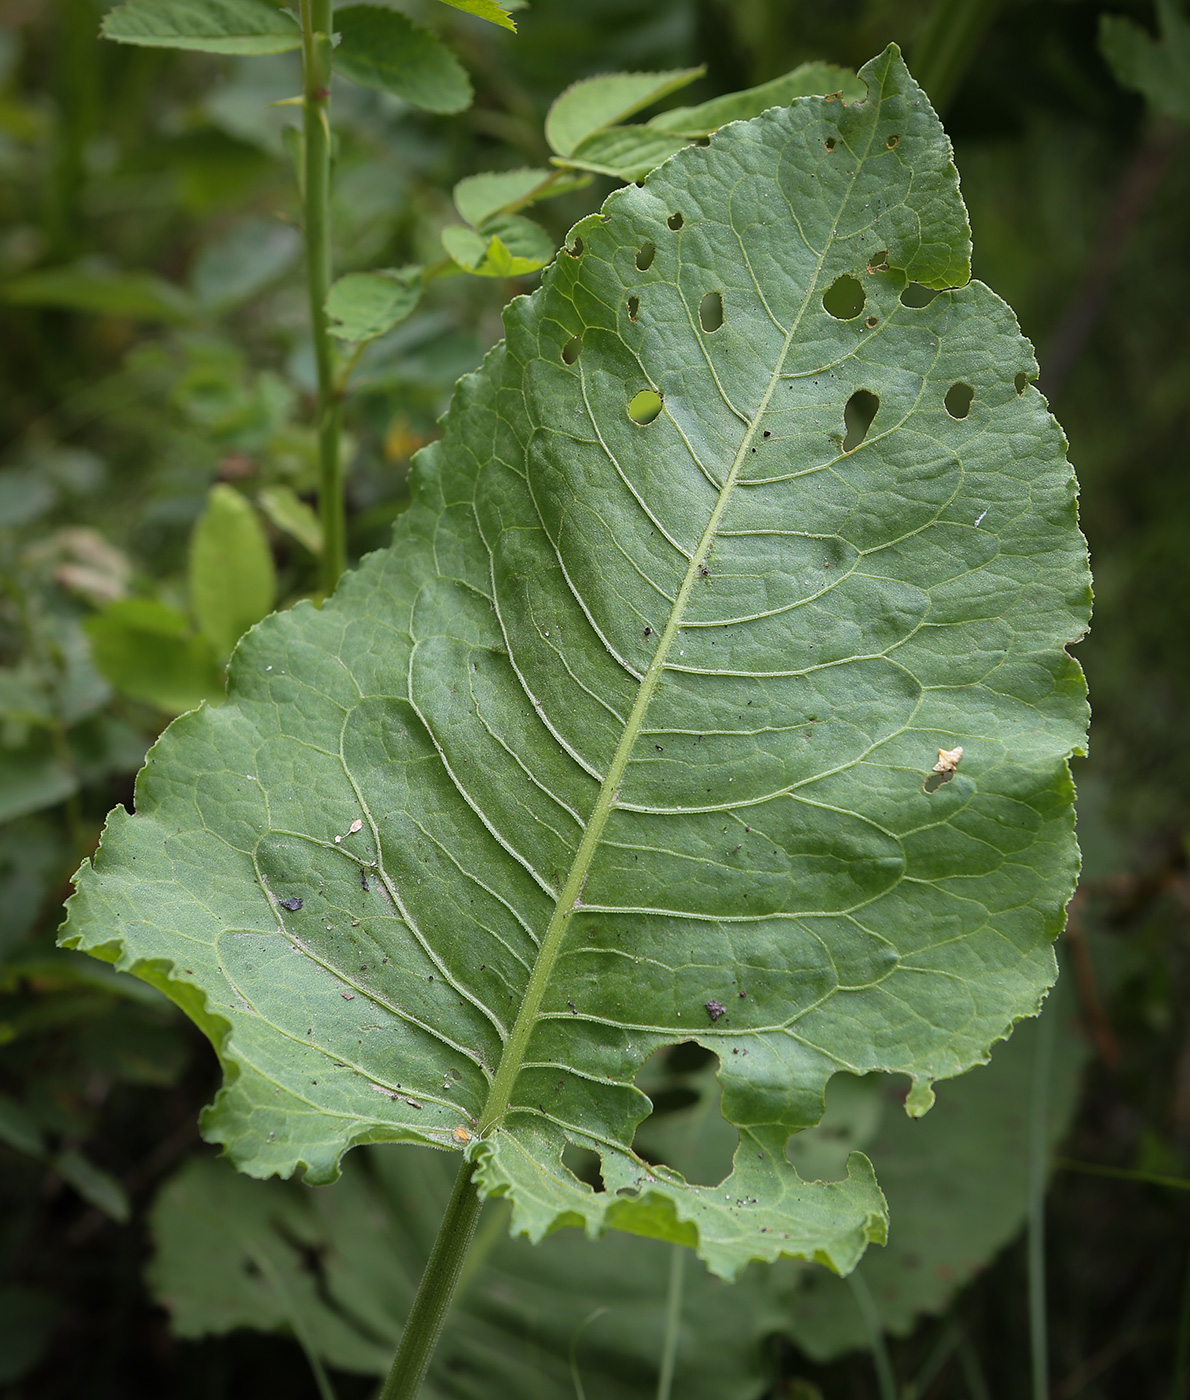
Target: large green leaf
[(628, 738), (237, 1253), (210, 26), (339, 1266)]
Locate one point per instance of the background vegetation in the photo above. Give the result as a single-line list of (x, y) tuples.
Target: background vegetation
[(154, 343)]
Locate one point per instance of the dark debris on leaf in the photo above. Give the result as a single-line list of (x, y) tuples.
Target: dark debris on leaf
[(293, 905), (715, 1009)]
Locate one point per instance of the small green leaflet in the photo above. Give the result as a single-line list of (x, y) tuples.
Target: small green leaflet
[(232, 580), (364, 305), (510, 246), (808, 80), (478, 197), (630, 152), (149, 651), (485, 9), (1159, 70), (594, 103), (209, 26), (290, 513), (623, 743), (381, 48)]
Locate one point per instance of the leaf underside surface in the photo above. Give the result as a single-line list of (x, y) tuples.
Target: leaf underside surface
[(623, 742)]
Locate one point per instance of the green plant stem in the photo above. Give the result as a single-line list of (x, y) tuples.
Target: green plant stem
[(673, 1320), (1181, 1359), (1038, 1180), (316, 219), (435, 1291)]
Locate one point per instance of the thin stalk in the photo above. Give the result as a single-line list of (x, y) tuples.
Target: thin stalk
[(435, 1291), (673, 1320), (576, 1376), (316, 221), (301, 1332), (1176, 1183), (947, 43), (885, 1377), (1038, 1179), (1181, 1358)]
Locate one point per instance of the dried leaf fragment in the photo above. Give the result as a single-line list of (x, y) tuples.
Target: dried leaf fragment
[(948, 760)]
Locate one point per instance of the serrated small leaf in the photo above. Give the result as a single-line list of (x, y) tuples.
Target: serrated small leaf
[(485, 9), (232, 580), (208, 26), (137, 295), (382, 48), (626, 152), (364, 305), (508, 247), (288, 512), (626, 741), (1158, 69), (593, 103), (807, 80), (148, 652), (464, 245), (478, 197)]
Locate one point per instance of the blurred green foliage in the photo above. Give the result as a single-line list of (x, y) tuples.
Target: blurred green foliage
[(158, 371)]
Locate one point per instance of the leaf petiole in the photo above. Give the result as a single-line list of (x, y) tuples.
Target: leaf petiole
[(437, 1288)]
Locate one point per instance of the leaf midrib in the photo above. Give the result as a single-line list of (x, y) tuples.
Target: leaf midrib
[(570, 898)]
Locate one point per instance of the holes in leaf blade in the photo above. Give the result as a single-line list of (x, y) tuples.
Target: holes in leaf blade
[(844, 299), (830, 143), (576, 248), (958, 399), (584, 1164), (893, 142), (710, 312), (858, 414), (915, 296), (1021, 381), (675, 221), (685, 1129), (572, 349), (645, 255), (633, 307), (644, 406)]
